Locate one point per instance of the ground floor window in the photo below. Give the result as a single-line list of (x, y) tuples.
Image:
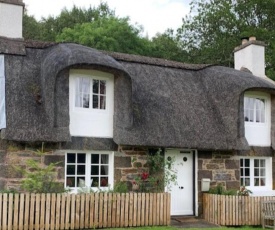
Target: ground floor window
[(89, 170), (255, 172)]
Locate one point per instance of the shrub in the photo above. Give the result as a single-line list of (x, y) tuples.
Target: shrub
[(220, 190)]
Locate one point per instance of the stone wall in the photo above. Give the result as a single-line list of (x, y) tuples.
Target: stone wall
[(220, 168), (129, 162), (14, 156)]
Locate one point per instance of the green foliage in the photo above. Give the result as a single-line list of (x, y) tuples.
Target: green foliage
[(49, 28), (220, 190), (39, 178), (158, 174), (121, 187), (99, 27), (214, 28), (109, 33)]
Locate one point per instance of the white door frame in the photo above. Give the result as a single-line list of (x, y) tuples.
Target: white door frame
[(195, 174)]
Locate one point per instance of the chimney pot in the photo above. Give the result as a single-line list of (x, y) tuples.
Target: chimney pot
[(244, 40), (252, 38)]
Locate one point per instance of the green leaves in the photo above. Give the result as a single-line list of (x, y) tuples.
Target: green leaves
[(214, 28)]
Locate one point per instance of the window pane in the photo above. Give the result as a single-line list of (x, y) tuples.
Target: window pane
[(262, 163), (81, 170), (102, 102), (241, 162), (70, 170), (262, 172), (95, 181), (256, 163), (86, 101), (104, 170), (95, 170), (103, 87), (256, 172), (247, 172), (262, 182), (104, 182), (247, 162), (95, 158), (256, 182), (81, 158), (82, 92), (95, 101), (95, 86), (71, 158), (104, 159), (247, 182), (80, 181), (70, 182)]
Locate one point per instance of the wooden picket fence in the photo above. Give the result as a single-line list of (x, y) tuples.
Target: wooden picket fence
[(233, 210), (83, 211)]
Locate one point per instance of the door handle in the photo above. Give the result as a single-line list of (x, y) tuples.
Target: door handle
[(181, 187)]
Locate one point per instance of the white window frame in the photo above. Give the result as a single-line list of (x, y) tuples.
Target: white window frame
[(257, 190), (91, 122), (86, 186), (259, 133)]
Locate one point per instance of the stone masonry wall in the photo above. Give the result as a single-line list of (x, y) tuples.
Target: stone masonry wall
[(14, 155), (220, 168), (129, 162)]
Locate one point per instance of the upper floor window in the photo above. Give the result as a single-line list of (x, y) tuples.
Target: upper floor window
[(91, 103), (254, 109), (90, 93), (257, 117)]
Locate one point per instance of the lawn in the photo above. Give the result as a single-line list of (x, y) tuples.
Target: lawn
[(175, 228)]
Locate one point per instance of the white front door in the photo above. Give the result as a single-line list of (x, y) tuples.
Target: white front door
[(182, 194)]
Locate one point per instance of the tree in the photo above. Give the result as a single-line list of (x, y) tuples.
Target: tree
[(215, 27), (109, 33), (49, 28), (31, 28), (167, 46), (99, 27)]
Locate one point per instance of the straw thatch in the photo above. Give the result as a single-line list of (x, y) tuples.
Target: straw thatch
[(157, 102)]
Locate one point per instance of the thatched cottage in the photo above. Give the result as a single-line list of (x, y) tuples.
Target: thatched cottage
[(86, 105)]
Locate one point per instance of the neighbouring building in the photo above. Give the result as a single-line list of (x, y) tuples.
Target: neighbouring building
[(95, 111)]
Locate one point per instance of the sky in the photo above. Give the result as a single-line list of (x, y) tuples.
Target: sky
[(154, 15)]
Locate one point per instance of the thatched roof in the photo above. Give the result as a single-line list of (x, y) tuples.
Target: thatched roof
[(157, 102)]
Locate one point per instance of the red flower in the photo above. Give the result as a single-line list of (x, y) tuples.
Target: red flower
[(144, 176)]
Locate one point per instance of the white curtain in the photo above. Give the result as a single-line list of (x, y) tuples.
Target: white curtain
[(82, 94), (2, 94)]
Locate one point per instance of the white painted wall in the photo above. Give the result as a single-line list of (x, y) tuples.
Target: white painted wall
[(11, 17), (2, 93), (251, 57), (92, 122), (259, 134)]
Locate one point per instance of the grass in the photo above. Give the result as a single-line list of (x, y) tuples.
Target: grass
[(175, 228)]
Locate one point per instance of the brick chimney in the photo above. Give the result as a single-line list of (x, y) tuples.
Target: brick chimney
[(11, 18), (250, 55)]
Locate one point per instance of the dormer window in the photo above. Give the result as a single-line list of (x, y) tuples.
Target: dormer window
[(257, 118), (90, 93), (254, 109), (91, 103)]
